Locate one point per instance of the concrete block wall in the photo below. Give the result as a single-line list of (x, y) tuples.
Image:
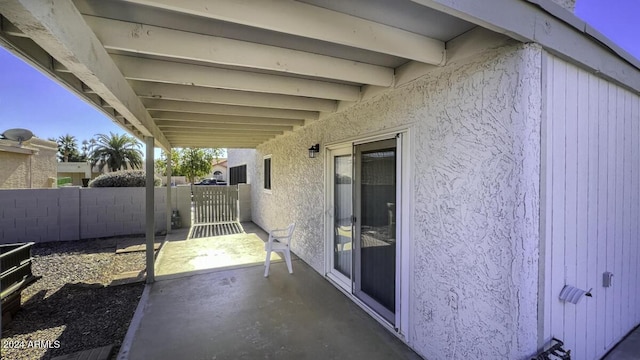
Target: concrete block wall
[(73, 213), (29, 215), (69, 214), (106, 212)]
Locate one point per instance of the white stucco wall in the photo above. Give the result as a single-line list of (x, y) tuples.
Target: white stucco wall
[(476, 188), (237, 157), (477, 209)]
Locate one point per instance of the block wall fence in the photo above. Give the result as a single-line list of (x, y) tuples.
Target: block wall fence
[(74, 213)]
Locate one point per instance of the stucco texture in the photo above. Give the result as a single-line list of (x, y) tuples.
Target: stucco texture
[(237, 157), (474, 230), (15, 170), (24, 171)]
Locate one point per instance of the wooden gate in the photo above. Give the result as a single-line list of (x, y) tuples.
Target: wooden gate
[(215, 204)]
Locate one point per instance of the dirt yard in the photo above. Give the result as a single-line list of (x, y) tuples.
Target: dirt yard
[(79, 303)]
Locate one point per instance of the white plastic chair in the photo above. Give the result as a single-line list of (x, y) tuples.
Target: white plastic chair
[(279, 241)]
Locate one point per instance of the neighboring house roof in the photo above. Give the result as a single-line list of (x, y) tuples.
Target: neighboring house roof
[(149, 65), (31, 146), (7, 146), (220, 163)]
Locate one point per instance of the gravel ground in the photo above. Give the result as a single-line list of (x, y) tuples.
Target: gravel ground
[(71, 308)]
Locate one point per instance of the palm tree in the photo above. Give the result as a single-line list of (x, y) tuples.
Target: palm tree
[(87, 148), (116, 151), (67, 147)]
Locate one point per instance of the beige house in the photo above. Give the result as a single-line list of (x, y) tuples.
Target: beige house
[(30, 166), (76, 171), (219, 169), (83, 170)]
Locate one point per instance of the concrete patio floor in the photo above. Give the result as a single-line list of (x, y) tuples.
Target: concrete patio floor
[(627, 349), (211, 301), (239, 314)]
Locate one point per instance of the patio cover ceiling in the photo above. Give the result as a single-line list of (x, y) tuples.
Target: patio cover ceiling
[(237, 73), (226, 73)]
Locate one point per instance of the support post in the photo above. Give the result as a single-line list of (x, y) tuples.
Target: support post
[(149, 210), (169, 205)]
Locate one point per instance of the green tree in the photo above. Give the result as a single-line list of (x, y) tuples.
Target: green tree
[(216, 153), (195, 163), (161, 164), (116, 151), (190, 162), (68, 148)]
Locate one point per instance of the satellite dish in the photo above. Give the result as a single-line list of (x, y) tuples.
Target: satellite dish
[(18, 135)]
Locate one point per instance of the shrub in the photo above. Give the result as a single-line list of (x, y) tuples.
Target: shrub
[(128, 178)]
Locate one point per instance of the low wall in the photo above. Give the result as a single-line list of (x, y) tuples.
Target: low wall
[(181, 200), (73, 213), (244, 197)]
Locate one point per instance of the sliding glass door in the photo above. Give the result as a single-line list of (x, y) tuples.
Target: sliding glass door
[(375, 229), (362, 197)]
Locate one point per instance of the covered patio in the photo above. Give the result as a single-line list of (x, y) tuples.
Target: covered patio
[(176, 74), (222, 307), (469, 139)]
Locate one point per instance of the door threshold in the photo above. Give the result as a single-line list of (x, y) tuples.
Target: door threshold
[(381, 320)]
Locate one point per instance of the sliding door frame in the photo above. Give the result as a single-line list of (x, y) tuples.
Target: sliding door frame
[(330, 152), (404, 216)]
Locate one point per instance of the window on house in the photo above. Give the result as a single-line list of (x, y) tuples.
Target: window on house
[(267, 173), (238, 175)]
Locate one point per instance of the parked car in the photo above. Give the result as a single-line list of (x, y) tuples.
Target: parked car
[(207, 182), (211, 182)]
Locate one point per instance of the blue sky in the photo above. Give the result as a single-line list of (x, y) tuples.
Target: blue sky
[(616, 19), (29, 99)]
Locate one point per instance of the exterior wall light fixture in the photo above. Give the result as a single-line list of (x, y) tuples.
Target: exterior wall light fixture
[(313, 150)]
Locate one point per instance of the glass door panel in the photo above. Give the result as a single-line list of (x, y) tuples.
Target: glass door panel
[(343, 188), (375, 234)]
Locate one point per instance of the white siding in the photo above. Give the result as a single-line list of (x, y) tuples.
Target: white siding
[(591, 207)]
